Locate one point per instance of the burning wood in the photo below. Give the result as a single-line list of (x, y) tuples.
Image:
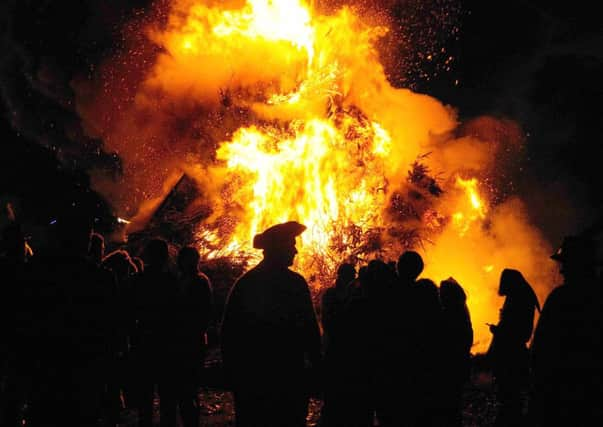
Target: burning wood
[(177, 214)]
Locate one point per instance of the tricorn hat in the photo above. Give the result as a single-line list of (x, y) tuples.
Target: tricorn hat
[(576, 249), (278, 235)]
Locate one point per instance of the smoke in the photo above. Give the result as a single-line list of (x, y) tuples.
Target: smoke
[(35, 90), (543, 72), (70, 73), (190, 100), (478, 258)]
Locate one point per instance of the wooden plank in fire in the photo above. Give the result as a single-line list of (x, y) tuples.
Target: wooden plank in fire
[(180, 197), (176, 216)]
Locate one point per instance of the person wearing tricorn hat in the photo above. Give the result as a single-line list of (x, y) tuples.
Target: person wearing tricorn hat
[(269, 332), (566, 349)]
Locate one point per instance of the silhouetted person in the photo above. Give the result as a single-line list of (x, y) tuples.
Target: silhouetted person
[(191, 315), (457, 339), (334, 298), (383, 339), (96, 248), (333, 303), (410, 266), (360, 343), (68, 328), (566, 349), (139, 263), (13, 246), (508, 352), (401, 355), (120, 265), (154, 298), (13, 256), (12, 262), (381, 334), (336, 348), (356, 288), (268, 329), (426, 351)]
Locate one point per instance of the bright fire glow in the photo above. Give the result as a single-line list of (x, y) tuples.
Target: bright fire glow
[(308, 173), (272, 20), (475, 208), (284, 113)]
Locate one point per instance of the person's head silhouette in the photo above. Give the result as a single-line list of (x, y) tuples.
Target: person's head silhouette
[(74, 228), (345, 274), (12, 242), (188, 260), (278, 243), (514, 285), (577, 256), (410, 265), (96, 247), (156, 254), (452, 295)]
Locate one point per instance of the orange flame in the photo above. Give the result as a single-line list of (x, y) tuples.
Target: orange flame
[(309, 175), (475, 208), (304, 125)]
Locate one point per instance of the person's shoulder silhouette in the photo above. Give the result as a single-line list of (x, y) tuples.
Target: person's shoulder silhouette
[(194, 291), (566, 349)]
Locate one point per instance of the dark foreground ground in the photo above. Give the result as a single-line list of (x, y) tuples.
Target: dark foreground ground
[(217, 405), (217, 409)]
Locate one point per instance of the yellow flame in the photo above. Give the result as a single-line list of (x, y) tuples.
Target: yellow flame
[(187, 44), (382, 141), (262, 20), (310, 129), (330, 172), (474, 208), (273, 20), (315, 161)]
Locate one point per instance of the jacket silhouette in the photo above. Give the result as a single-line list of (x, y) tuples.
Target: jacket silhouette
[(508, 350), (268, 330), (566, 350)]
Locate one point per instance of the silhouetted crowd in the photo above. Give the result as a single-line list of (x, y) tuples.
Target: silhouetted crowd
[(395, 347), (85, 334)]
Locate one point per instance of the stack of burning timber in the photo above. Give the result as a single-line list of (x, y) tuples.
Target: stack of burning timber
[(180, 215)]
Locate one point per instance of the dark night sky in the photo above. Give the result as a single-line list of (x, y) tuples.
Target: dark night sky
[(529, 61)]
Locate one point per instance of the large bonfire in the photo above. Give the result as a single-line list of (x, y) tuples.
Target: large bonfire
[(282, 113)]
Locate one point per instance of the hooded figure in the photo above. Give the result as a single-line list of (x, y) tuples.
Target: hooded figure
[(269, 330), (508, 350)]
